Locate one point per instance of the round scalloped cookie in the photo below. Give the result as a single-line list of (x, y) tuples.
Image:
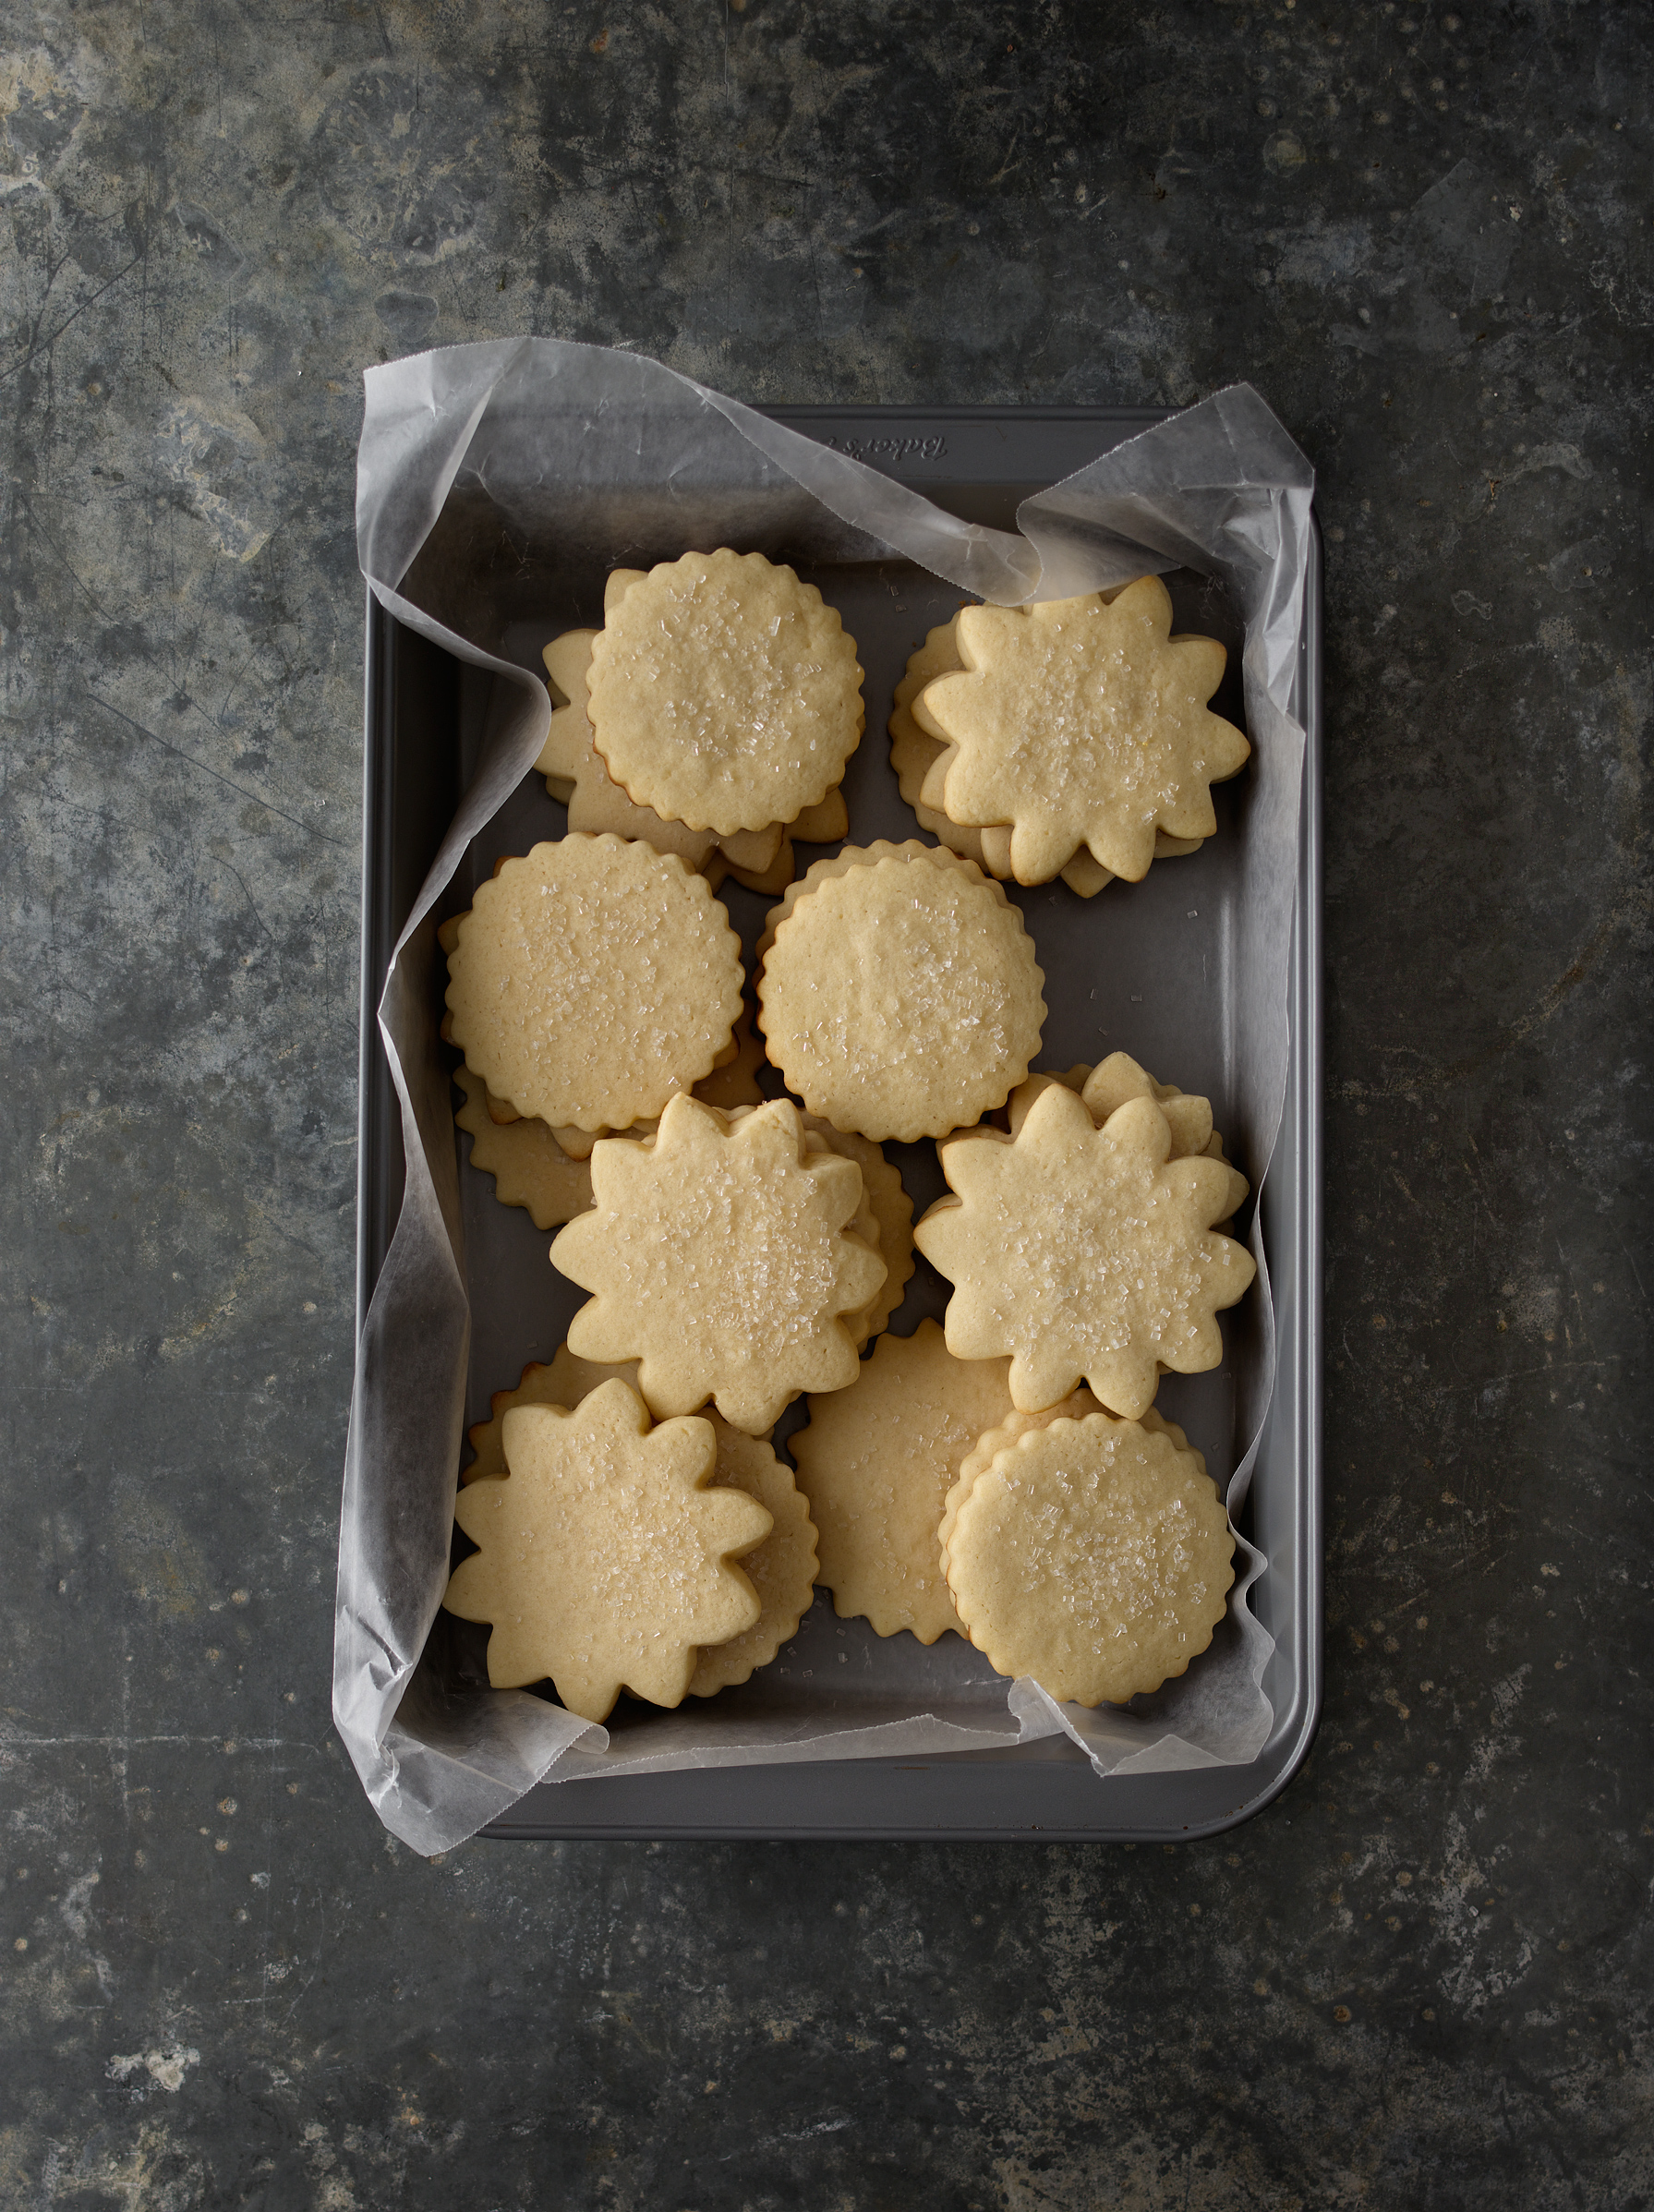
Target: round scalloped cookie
[(782, 1569), (900, 993), (987, 1447), (562, 1380), (1092, 1556), (892, 1212), (913, 752), (593, 980), (723, 692)]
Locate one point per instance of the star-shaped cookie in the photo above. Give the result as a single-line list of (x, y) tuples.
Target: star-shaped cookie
[(1085, 1253), (529, 1166), (721, 1261), (1120, 1078), (1081, 723)]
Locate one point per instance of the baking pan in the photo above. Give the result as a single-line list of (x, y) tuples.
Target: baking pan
[(423, 724)]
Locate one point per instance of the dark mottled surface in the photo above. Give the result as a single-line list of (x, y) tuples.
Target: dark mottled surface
[(1420, 1980)]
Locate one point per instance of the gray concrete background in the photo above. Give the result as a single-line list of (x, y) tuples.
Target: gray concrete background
[(1421, 1978)]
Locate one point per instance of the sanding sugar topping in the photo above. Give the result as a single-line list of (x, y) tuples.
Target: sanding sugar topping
[(1094, 1555), (1119, 1259), (1085, 1252), (602, 1557), (724, 692), (1084, 723), (592, 979), (720, 1256), (902, 998)]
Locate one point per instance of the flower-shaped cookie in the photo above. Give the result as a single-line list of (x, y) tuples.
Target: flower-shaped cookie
[(591, 980), (561, 1381), (922, 757), (723, 692), (782, 1569), (914, 752), (607, 1562), (1086, 1254), (1118, 1079), (899, 993), (1081, 722), (1094, 1555), (721, 1261)]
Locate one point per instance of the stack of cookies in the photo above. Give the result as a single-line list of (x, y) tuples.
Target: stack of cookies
[(1006, 1477), (1070, 739)]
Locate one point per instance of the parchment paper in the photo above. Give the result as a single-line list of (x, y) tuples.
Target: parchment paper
[(491, 478)]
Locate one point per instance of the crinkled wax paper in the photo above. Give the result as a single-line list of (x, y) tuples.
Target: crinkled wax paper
[(546, 462)]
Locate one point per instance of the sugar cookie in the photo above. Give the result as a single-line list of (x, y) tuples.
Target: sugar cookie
[(921, 758), (529, 1167), (913, 752), (562, 1380), (721, 1261), (1083, 872), (876, 1463), (982, 1455), (724, 692), (575, 772), (899, 995), (1086, 1254), (767, 881), (892, 1211), (735, 1083), (821, 825), (782, 1569), (607, 1560), (1081, 722), (1118, 1078), (1094, 1556), (591, 980)]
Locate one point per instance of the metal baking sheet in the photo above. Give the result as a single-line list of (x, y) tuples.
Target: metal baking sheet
[(1160, 996)]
